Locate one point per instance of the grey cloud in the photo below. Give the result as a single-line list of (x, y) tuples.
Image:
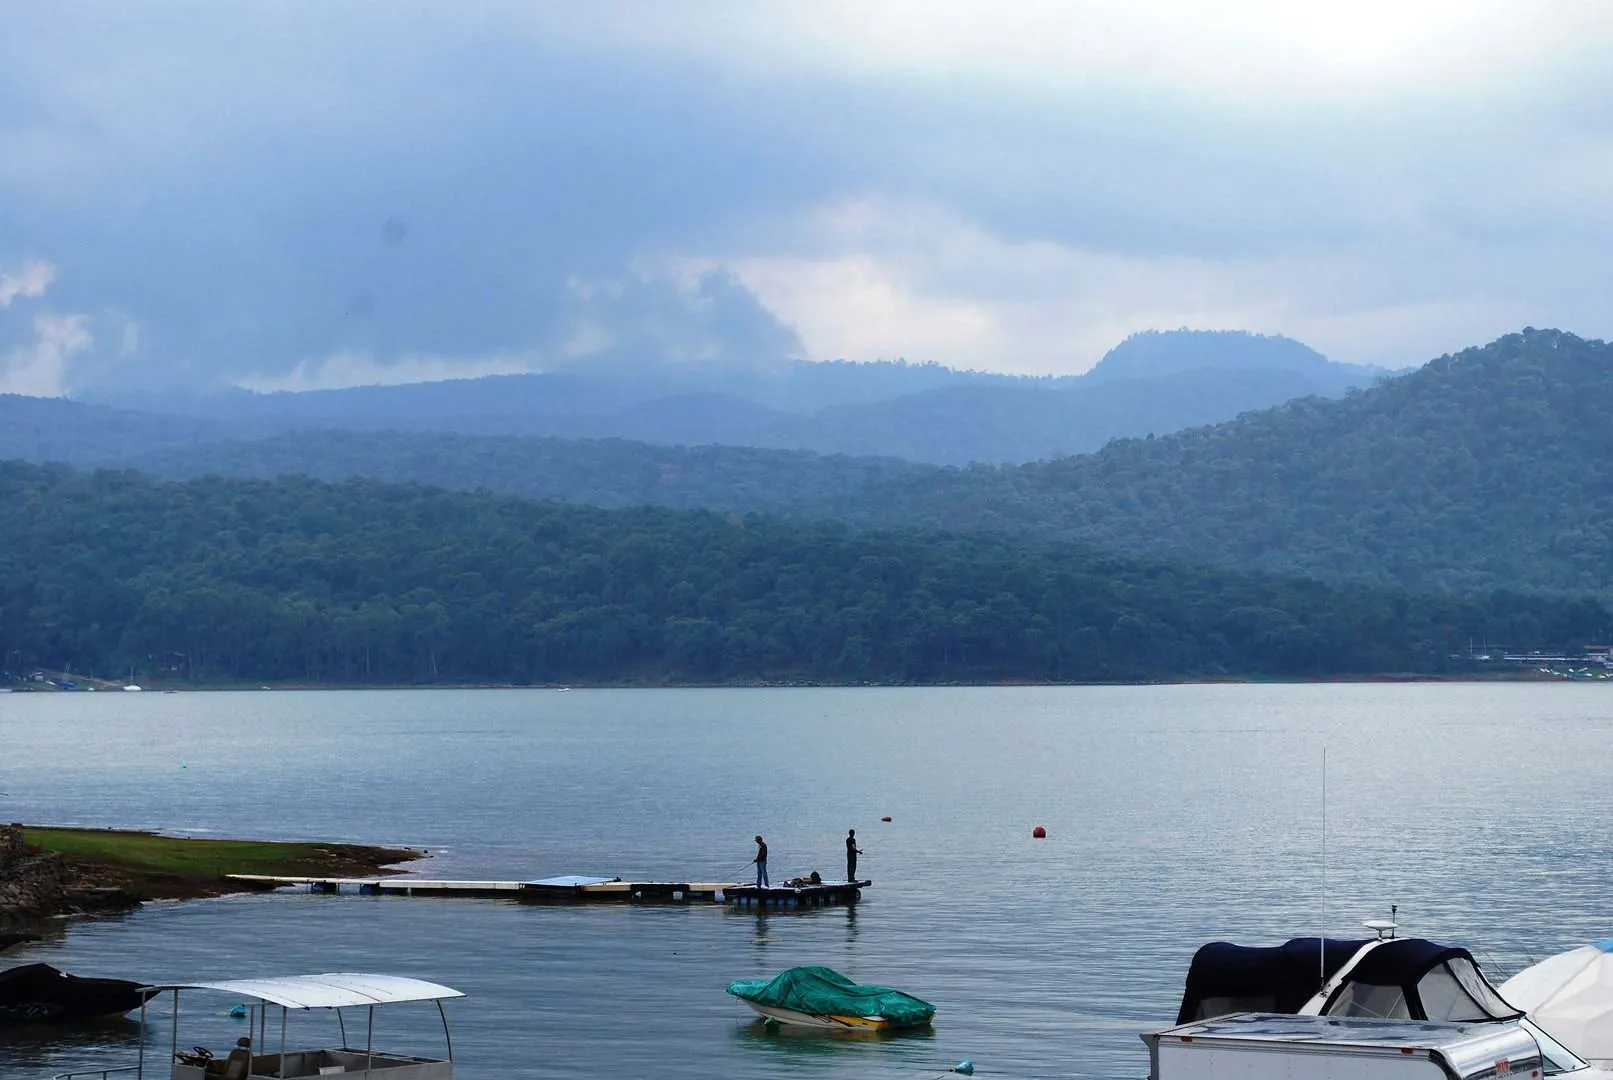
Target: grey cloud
[(260, 186)]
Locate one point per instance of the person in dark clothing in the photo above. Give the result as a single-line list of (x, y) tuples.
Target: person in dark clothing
[(761, 864), (852, 851)]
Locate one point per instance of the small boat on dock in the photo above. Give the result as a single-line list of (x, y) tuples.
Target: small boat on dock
[(356, 1054), (820, 997)]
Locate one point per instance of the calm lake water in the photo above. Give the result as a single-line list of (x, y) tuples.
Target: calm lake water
[(1175, 815)]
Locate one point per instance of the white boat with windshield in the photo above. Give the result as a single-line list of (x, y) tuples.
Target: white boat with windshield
[(1381, 978), (354, 1054)]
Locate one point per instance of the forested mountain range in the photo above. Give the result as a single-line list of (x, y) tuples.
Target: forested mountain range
[(1151, 383), (367, 582), (1489, 468)]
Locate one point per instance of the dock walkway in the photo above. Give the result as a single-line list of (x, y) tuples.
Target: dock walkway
[(576, 888)]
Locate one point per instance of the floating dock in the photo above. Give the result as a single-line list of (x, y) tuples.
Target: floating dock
[(577, 888), (823, 894)]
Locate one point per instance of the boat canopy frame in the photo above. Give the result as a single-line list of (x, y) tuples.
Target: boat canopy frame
[(335, 991), (1382, 977)]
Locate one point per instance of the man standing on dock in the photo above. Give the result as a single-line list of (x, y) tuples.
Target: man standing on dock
[(761, 864), (852, 851)]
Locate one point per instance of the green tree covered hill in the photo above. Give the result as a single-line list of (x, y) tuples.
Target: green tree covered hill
[(297, 580), (1492, 468)]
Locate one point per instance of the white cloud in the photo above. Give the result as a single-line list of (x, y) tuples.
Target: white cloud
[(344, 369), (899, 279), (40, 369), (32, 280), (1318, 48), (864, 307)]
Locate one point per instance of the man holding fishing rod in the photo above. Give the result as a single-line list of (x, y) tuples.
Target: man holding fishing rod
[(852, 851), (761, 864)]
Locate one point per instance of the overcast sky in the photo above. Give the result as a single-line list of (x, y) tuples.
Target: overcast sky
[(311, 194)]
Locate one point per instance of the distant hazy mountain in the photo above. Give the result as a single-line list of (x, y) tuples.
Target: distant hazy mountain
[(1155, 354), (1490, 469), (1150, 384), (797, 387), (599, 472), (609, 473), (1003, 424), (53, 429)]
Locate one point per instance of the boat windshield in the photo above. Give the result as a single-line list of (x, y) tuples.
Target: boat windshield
[(1558, 1058), (1454, 990), (1414, 979)]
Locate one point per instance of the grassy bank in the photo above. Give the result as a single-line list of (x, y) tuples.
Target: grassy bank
[(149, 866)]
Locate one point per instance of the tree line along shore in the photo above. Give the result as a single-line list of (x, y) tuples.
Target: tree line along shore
[(363, 583)]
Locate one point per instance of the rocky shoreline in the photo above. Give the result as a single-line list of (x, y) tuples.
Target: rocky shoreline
[(37, 885)]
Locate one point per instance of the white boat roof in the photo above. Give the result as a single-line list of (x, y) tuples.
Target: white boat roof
[(333, 990)]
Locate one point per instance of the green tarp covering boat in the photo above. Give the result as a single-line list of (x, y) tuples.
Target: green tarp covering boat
[(822, 997)]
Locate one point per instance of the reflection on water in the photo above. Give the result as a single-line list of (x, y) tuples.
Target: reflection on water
[(796, 1042), (45, 1049), (1175, 816)]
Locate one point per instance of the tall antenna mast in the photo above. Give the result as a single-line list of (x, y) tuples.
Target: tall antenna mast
[(1321, 947)]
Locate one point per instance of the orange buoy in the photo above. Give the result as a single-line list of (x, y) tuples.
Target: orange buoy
[(1039, 833), (884, 819)]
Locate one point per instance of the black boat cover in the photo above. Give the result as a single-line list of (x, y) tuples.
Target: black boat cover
[(1403, 978), (41, 994), (1226, 978)]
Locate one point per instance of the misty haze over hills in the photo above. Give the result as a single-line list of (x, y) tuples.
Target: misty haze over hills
[(1474, 481), (1487, 469), (1151, 383)]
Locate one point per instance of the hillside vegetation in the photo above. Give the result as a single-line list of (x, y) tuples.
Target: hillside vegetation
[(366, 582), (608, 473), (1492, 468)]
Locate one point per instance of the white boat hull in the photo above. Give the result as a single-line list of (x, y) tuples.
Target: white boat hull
[(821, 1022)]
